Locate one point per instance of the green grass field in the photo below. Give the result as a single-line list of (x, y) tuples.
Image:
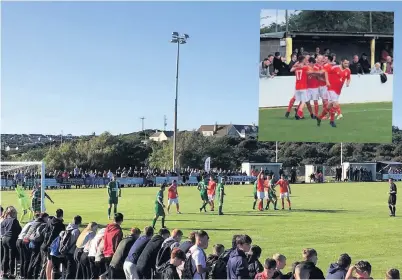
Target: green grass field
[(332, 218), (361, 123)]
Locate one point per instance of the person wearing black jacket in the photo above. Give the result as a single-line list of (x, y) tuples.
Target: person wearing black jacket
[(254, 265), (177, 258), (116, 265), (310, 259), (53, 228), (10, 229), (365, 64), (38, 226), (146, 261)]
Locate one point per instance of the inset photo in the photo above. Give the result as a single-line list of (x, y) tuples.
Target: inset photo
[(326, 76)]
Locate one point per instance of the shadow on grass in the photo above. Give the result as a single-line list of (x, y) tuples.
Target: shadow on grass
[(214, 229), (329, 211)]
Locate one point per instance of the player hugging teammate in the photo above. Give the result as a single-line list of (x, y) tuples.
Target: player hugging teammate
[(319, 79)]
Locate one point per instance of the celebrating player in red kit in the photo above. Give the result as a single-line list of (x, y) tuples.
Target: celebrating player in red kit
[(313, 85), (337, 76), (284, 191)]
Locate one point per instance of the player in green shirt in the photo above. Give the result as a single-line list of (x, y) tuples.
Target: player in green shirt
[(114, 192), (37, 199), (255, 193), (221, 194), (271, 192), (159, 207), (203, 187), (24, 202)]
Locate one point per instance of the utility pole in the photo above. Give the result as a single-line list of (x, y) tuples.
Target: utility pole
[(143, 132), (164, 123), (61, 137)]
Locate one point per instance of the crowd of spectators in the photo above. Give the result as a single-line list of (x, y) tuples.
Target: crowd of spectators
[(359, 174), (47, 248), (276, 65), (395, 170)]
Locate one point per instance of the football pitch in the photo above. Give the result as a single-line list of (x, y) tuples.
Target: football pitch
[(361, 123), (332, 218)]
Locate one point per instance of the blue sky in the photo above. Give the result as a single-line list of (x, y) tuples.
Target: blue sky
[(83, 67)]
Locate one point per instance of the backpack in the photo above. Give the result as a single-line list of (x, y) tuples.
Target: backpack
[(219, 268), (163, 255), (54, 247), (38, 235), (188, 272), (64, 245), (160, 270)]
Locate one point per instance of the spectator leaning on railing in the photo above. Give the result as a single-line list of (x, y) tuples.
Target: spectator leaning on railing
[(376, 69)]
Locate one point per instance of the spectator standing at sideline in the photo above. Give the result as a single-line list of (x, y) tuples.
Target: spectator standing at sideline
[(264, 68), (198, 256), (112, 238), (355, 67), (376, 69), (116, 265), (69, 262), (365, 64), (339, 269), (310, 257), (9, 231), (389, 69), (237, 267)]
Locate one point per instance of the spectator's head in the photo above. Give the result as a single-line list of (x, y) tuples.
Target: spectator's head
[(363, 269), (77, 220), (234, 238), (270, 267), (355, 58), (311, 61), (344, 261), (278, 55), (118, 218), (301, 59), (294, 57), (345, 63), (177, 234), (243, 243), (333, 57), (317, 50), (302, 271), (255, 251), (280, 261), (364, 56), (191, 237), (301, 49), (393, 273), (202, 239), (164, 232), (59, 213), (218, 249), (377, 66), (327, 51), (44, 216), (177, 257), (10, 212), (149, 231), (310, 255), (136, 232), (389, 59), (270, 58), (267, 62)]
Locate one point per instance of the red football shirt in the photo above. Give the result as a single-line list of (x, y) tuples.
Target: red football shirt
[(301, 74), (211, 188), (172, 192), (283, 186), (260, 185), (312, 81), (337, 77)]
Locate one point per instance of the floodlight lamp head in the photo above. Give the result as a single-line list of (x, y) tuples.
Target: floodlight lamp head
[(186, 36), (182, 41), (175, 34), (174, 41)]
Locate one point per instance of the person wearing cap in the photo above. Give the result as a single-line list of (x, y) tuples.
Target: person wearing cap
[(221, 194), (116, 265)]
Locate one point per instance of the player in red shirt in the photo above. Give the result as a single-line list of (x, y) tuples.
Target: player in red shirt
[(337, 75), (313, 86), (211, 192), (302, 72), (284, 191), (173, 197), (260, 190)]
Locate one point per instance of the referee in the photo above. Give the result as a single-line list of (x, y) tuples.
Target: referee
[(392, 197)]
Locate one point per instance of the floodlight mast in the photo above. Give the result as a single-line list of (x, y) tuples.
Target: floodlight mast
[(178, 39)]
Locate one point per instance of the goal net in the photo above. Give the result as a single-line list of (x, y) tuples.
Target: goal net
[(28, 174)]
